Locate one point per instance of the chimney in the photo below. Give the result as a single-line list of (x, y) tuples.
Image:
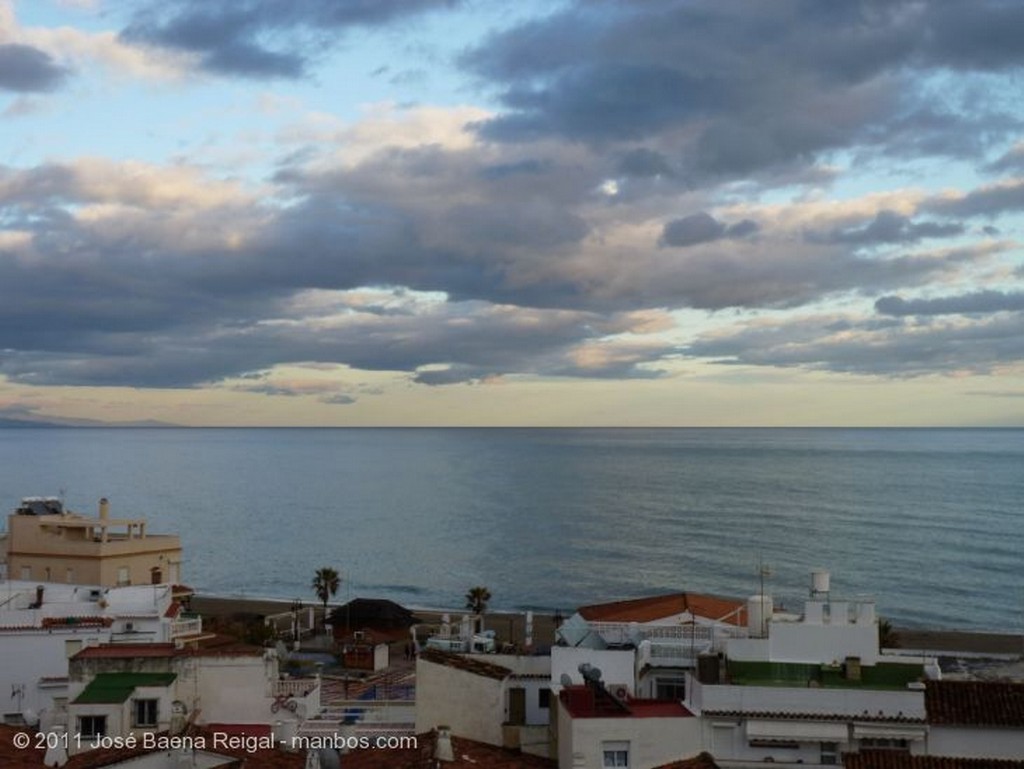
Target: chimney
[(104, 509), (39, 595), (443, 745)]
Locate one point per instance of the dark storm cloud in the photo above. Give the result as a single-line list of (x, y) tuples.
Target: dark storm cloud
[(261, 38), (758, 85), (886, 228), (25, 69), (978, 302), (882, 348), (703, 228), (991, 200)]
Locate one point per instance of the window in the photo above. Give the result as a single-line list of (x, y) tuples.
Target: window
[(122, 576), (544, 698), (145, 713), (616, 754), (26, 573), (884, 743), (829, 753), (670, 689), (69, 575), (92, 726)]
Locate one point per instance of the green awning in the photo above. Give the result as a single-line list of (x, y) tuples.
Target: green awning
[(117, 687)]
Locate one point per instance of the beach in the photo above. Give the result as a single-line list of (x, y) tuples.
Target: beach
[(510, 626)]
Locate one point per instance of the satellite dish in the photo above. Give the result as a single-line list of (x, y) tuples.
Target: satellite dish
[(566, 679)]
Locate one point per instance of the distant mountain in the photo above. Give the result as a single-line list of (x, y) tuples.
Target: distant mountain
[(33, 423)]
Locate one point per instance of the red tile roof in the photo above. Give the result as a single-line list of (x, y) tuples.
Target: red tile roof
[(209, 646), (893, 759), (469, 754), (583, 701), (975, 703), (13, 757), (464, 663), (699, 761), (124, 651), (780, 715), (729, 610)]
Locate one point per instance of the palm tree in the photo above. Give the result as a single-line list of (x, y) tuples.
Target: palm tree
[(325, 584), (888, 638), (477, 598)]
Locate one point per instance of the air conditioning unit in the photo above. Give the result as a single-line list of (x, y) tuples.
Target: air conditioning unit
[(129, 627)]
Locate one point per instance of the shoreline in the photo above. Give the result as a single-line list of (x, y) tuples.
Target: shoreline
[(510, 626)]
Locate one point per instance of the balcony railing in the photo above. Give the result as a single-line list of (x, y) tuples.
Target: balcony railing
[(293, 687), (186, 627)]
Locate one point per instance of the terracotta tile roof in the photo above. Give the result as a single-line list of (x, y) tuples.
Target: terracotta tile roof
[(209, 646), (249, 759), (975, 703), (653, 608), (586, 702), (124, 651), (469, 754), (787, 716), (700, 761), (464, 663), (892, 759), (12, 757)]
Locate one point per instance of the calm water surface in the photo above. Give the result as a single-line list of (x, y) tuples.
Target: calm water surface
[(927, 521)]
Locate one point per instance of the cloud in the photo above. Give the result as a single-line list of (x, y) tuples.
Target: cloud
[(261, 38), (963, 304), (989, 200), (734, 89), (888, 348), (890, 227), (25, 69), (703, 228)]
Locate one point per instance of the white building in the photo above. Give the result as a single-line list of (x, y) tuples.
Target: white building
[(139, 689), (975, 719), (43, 625), (595, 728), (501, 700)]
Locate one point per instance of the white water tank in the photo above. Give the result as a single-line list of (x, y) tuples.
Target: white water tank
[(819, 582), (865, 612), (759, 611)]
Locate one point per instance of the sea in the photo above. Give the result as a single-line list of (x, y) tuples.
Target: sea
[(928, 522)]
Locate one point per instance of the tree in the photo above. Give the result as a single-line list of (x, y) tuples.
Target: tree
[(477, 598), (325, 584), (887, 637)]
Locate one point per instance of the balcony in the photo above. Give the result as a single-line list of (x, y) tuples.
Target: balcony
[(186, 626)]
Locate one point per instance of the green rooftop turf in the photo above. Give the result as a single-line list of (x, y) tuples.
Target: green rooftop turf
[(108, 688), (884, 675)]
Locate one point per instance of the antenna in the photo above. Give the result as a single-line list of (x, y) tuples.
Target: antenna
[(764, 571)]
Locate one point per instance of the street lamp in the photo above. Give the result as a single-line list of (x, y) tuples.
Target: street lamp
[(296, 608)]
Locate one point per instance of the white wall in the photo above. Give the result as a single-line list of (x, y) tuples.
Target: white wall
[(31, 655), (976, 742), (652, 741), (231, 690), (853, 702), (472, 705), (617, 666)]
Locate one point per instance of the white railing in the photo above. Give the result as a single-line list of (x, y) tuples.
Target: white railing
[(293, 687), (627, 632), (184, 627)]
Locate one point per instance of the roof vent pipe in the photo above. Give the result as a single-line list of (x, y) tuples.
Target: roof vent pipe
[(443, 745)]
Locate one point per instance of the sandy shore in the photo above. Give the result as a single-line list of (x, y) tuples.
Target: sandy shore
[(510, 626)]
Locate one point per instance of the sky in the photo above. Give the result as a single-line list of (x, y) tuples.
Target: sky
[(472, 212)]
